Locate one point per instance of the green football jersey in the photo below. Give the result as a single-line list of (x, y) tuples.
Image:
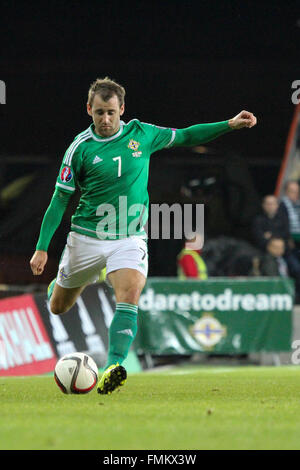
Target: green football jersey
[(112, 176)]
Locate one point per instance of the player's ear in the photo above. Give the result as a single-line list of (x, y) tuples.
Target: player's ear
[(89, 109), (122, 109)]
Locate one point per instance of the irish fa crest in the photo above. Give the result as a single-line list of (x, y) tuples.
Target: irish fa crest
[(62, 274), (133, 145), (208, 331)]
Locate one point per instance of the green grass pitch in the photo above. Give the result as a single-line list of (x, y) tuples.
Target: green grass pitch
[(182, 408)]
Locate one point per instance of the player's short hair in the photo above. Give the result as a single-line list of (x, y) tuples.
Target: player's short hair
[(106, 88)]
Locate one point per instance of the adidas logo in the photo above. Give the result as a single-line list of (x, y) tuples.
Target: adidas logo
[(126, 332), (97, 159)]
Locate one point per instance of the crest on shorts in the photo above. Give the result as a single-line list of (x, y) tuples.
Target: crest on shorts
[(66, 174), (62, 274), (133, 145)]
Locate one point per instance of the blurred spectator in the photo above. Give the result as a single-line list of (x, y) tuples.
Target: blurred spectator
[(226, 256), (273, 262), (274, 223), (290, 206), (245, 264), (270, 223), (190, 264)]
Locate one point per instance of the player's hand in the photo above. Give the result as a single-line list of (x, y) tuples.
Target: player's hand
[(38, 262), (243, 119)]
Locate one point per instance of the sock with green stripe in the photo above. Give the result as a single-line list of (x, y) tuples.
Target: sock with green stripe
[(122, 332)]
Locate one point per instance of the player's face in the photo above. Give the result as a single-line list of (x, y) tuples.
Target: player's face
[(106, 115)]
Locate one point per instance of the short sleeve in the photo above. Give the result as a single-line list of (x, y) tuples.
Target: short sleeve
[(69, 170), (160, 137)]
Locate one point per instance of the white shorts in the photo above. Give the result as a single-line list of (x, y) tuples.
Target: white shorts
[(84, 257)]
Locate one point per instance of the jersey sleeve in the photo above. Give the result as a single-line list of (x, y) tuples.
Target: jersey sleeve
[(52, 218), (159, 137), (200, 133), (67, 179)]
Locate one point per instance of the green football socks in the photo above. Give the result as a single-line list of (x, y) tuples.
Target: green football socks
[(122, 332)]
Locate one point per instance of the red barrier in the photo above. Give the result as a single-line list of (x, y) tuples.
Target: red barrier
[(25, 348)]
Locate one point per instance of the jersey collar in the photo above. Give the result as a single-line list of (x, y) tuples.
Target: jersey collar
[(105, 139)]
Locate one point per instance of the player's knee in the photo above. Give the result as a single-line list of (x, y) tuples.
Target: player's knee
[(130, 295), (58, 308)]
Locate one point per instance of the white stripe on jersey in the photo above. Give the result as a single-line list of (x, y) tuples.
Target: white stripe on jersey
[(69, 188), (172, 139), (153, 125), (70, 152), (162, 127)]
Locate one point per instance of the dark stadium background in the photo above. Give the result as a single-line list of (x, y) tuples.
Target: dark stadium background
[(182, 63)]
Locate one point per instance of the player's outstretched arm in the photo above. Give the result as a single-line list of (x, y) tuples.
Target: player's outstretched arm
[(51, 221), (203, 133)]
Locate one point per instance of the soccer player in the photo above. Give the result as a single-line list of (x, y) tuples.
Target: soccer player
[(109, 163)]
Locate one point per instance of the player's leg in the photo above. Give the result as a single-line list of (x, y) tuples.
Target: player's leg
[(62, 299), (80, 265), (128, 282), (128, 285)]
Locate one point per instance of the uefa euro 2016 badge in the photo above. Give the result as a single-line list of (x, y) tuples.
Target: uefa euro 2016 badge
[(66, 174)]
